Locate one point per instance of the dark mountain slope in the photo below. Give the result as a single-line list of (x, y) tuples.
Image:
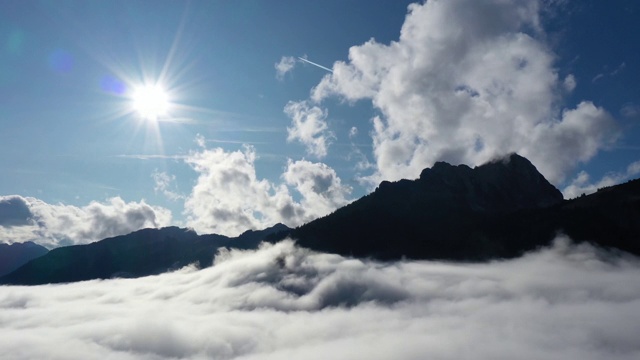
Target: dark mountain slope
[(141, 253), (497, 210), (609, 217), (17, 254)]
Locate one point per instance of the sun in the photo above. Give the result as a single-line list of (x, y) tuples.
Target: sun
[(151, 102)]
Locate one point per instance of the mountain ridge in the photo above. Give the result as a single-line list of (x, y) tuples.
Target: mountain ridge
[(500, 209), (140, 253), (12, 256)]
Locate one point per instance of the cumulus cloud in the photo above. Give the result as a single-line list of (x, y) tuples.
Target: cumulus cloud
[(14, 211), (228, 197), (468, 81), (56, 225), (285, 65), (582, 183), (319, 185), (281, 301), (309, 126)]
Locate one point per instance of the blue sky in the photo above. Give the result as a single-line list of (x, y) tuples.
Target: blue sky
[(245, 145)]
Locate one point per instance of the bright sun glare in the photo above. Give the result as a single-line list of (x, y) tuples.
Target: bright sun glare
[(150, 102)]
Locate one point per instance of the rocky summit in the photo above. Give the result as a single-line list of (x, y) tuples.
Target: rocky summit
[(503, 185), (500, 209)]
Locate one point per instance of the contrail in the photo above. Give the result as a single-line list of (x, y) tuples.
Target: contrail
[(314, 64)]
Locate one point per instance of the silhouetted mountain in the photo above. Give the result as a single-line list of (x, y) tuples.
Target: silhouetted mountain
[(498, 210), (141, 253), (505, 185), (17, 254), (609, 217)]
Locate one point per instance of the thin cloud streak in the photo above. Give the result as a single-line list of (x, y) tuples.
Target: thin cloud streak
[(151, 156), (315, 64), (221, 141)]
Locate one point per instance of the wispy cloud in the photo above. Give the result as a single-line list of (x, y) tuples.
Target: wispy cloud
[(223, 141), (151, 156), (284, 66), (165, 183), (606, 73), (582, 183), (630, 110), (620, 68), (309, 126), (179, 120), (569, 83)]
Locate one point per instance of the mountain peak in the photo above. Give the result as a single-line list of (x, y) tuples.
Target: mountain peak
[(514, 162), (504, 184)]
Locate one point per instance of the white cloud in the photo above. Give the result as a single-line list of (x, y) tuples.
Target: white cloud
[(309, 126), (618, 69), (556, 147), (567, 302), (165, 183), (285, 65), (597, 78), (56, 225), (468, 81), (321, 188), (630, 110), (581, 184), (200, 141), (228, 197), (570, 83), (353, 132)]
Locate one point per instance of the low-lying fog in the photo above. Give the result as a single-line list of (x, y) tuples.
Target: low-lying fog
[(284, 302)]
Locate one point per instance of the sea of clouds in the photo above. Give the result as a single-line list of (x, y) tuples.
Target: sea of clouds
[(285, 302)]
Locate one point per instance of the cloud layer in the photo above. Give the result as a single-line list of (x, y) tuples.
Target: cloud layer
[(468, 81), (30, 219), (566, 302)]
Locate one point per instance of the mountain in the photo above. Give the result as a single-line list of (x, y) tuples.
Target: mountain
[(17, 254), (497, 210), (141, 253), (609, 218)]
